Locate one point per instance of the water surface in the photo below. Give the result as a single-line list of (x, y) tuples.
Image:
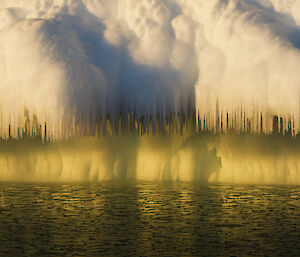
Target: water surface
[(148, 219)]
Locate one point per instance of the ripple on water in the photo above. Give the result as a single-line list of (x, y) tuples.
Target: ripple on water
[(149, 219)]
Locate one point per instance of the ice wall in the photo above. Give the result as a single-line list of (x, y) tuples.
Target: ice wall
[(74, 64)]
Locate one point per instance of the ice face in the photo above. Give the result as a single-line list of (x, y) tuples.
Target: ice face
[(74, 64)]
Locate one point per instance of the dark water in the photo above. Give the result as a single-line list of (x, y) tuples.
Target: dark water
[(149, 219)]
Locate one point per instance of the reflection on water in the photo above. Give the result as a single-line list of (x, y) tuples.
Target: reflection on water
[(202, 158), (149, 219)]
